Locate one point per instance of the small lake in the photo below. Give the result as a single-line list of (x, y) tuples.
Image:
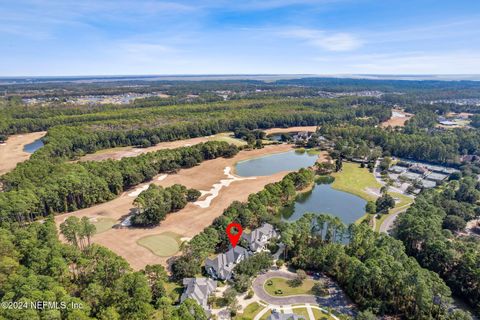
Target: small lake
[(34, 146), (324, 199), (274, 163)]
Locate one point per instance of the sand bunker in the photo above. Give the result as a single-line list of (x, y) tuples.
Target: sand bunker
[(138, 190), (213, 192), (11, 152)]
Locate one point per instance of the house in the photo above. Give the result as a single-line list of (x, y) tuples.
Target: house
[(221, 267), (284, 316), (198, 289), (258, 239)]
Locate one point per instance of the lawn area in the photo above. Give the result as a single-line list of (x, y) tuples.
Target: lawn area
[(250, 311), (301, 312), (266, 315), (319, 315), (174, 290), (228, 137), (103, 224), (283, 285), (355, 180), (163, 245)]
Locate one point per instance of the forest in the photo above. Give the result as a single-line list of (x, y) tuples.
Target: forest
[(429, 232)]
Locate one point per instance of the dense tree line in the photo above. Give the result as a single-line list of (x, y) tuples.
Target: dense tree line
[(251, 113), (372, 268), (438, 147), (36, 266), (39, 187), (426, 230), (156, 202)]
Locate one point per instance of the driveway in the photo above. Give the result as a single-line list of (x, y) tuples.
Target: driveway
[(337, 299)]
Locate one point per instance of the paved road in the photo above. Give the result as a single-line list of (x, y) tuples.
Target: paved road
[(387, 224), (337, 299)]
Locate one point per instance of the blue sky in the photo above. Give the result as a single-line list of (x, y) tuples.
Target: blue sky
[(95, 37)]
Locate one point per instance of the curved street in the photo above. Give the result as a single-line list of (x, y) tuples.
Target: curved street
[(336, 299)]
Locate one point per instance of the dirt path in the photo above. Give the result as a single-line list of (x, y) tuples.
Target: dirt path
[(186, 222), (11, 152)]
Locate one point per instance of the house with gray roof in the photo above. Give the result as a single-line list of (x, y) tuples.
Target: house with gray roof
[(221, 267), (258, 239), (198, 289)]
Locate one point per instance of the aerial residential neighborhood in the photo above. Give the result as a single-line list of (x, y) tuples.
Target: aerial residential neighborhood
[(239, 160)]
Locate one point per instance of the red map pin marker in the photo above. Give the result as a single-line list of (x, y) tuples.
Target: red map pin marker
[(234, 237)]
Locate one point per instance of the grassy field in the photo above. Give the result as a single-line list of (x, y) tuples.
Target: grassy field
[(163, 245), (287, 290), (319, 315), (355, 180), (266, 315), (103, 224), (228, 137), (250, 311)]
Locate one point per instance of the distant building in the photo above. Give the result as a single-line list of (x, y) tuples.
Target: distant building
[(221, 267), (397, 169), (469, 158), (198, 289), (258, 239), (417, 168), (434, 176), (412, 176)]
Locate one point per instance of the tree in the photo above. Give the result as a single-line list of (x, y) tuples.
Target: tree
[(454, 223), (319, 289), (384, 202), (366, 315), (193, 195), (190, 310), (371, 207)]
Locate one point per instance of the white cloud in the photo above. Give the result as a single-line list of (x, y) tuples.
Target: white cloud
[(337, 41)]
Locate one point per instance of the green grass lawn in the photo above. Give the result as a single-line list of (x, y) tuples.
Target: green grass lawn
[(103, 224), (287, 290), (228, 137), (266, 315), (174, 290), (354, 179), (319, 315), (301, 312), (163, 245), (250, 311)]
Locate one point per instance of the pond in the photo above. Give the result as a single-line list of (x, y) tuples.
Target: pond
[(324, 199), (34, 146), (274, 163)]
